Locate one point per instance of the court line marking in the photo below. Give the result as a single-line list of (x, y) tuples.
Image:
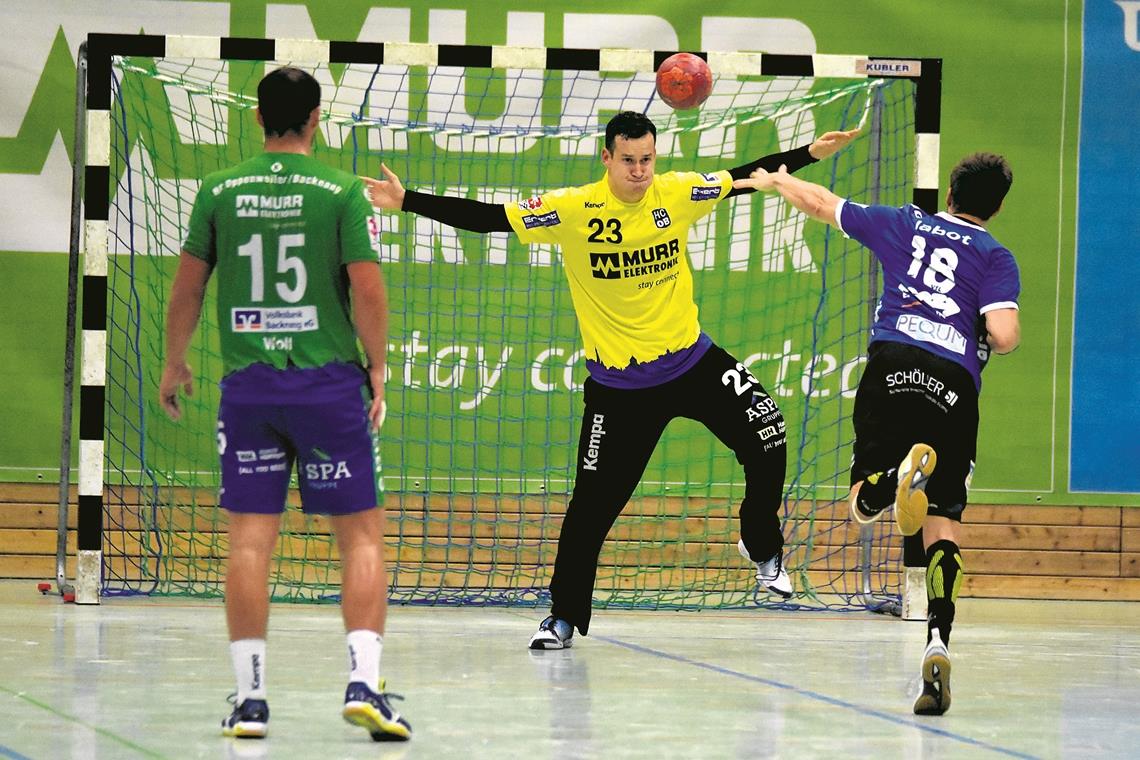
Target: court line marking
[(833, 701), (9, 752), (101, 731)]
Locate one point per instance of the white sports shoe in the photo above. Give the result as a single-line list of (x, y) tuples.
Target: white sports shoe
[(552, 633), (935, 696), (770, 573)]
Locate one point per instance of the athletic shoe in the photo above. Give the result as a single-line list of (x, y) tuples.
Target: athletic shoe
[(860, 512), (935, 696), (910, 498), (249, 720), (770, 573), (370, 710), (553, 633)]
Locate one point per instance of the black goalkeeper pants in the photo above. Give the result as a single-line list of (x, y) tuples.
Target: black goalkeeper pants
[(620, 429)]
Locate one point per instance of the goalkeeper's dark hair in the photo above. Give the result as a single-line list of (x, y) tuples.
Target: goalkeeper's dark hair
[(979, 183), (285, 97), (630, 125)]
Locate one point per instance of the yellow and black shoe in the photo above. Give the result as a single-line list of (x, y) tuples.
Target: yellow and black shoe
[(935, 696), (249, 720), (371, 711), (910, 498)]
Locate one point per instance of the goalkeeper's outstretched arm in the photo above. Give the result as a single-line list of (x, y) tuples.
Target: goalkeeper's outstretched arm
[(826, 145), (814, 200), (462, 213)]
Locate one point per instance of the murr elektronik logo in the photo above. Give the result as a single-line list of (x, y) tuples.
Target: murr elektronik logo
[(605, 266)]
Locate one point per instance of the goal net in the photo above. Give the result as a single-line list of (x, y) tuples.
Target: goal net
[(486, 371)]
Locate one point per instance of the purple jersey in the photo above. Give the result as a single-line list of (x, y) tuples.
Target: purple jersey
[(940, 274)]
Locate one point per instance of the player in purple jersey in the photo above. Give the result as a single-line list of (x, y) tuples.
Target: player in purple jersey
[(944, 278), (290, 238)]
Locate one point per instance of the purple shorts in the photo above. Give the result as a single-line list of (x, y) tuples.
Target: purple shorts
[(337, 456)]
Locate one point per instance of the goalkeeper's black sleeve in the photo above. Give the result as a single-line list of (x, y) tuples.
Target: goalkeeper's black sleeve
[(794, 159), (462, 213)]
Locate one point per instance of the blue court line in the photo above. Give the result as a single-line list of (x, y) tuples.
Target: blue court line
[(909, 722), (9, 752)]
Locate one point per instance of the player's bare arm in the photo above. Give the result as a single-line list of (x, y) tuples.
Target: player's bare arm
[(370, 317), (186, 296), (814, 200), (1004, 330)]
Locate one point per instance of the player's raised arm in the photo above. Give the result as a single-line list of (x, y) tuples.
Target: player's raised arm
[(824, 146), (814, 200), (461, 213)]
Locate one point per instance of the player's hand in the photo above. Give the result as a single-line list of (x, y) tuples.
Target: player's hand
[(173, 376), (760, 179), (385, 193), (830, 143), (378, 409)]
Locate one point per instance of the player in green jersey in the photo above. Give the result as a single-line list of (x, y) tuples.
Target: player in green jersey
[(290, 239)]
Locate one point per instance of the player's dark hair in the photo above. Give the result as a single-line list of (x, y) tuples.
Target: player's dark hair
[(978, 184), (285, 97), (630, 125)]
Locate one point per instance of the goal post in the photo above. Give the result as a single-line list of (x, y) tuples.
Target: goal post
[(485, 368)]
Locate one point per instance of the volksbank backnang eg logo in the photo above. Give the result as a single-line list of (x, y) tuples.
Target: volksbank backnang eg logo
[(247, 320), (287, 319)]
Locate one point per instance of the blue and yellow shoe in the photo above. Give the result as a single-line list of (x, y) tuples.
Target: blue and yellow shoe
[(249, 720), (370, 710)]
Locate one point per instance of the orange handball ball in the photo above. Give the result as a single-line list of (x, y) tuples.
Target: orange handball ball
[(684, 81)]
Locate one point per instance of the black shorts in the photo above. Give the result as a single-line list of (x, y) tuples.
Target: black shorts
[(908, 396)]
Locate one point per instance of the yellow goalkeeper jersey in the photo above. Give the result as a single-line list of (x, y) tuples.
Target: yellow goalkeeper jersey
[(626, 264)]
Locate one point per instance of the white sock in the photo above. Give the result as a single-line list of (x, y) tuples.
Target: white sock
[(364, 649), (248, 656)]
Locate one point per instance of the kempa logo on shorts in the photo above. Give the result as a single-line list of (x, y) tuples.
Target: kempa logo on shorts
[(594, 444)]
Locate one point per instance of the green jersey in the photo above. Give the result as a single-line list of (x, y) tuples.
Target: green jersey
[(278, 230)]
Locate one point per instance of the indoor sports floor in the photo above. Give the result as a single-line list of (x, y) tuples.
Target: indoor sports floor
[(148, 678)]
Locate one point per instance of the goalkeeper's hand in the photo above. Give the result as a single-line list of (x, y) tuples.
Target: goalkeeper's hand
[(174, 375), (385, 193), (830, 143)]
